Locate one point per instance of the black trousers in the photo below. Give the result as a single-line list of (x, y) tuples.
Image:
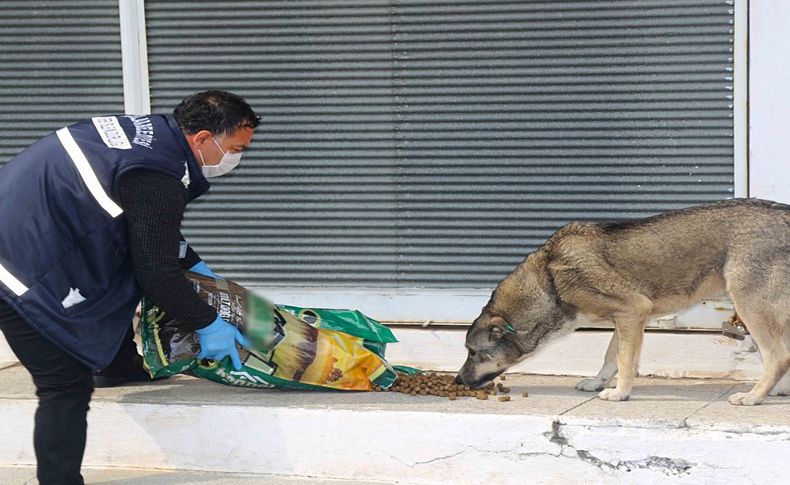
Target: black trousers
[(64, 387)]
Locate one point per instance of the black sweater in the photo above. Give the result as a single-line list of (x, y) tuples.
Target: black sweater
[(154, 205)]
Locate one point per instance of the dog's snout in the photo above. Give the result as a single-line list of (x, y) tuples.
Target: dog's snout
[(458, 380)]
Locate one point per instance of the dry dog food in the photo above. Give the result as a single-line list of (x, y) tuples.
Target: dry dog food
[(442, 385), (433, 384)]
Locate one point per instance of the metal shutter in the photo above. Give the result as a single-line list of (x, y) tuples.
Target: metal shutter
[(435, 143), (59, 62)]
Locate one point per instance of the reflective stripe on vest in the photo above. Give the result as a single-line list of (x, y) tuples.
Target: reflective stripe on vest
[(87, 173), (11, 282)]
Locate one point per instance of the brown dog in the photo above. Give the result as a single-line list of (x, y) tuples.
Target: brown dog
[(629, 271)]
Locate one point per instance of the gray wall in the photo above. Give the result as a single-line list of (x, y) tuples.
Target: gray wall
[(411, 143), (434, 144), (59, 62)]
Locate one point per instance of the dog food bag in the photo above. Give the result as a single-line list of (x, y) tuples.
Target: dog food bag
[(292, 347)]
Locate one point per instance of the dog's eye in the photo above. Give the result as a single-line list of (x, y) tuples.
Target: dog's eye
[(472, 353)]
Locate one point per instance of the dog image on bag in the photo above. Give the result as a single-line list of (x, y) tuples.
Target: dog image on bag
[(627, 272)]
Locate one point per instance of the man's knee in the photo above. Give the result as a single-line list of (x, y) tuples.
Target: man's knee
[(73, 388)]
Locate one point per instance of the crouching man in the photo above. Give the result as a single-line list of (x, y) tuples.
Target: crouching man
[(90, 219)]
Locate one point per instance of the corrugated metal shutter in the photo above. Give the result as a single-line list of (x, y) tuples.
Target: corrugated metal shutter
[(59, 62), (435, 143)]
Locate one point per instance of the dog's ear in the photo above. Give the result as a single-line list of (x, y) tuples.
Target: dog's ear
[(497, 328)]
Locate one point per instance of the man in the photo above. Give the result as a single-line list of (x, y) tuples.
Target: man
[(89, 220)]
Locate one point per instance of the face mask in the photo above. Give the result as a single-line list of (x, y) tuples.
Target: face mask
[(228, 162)]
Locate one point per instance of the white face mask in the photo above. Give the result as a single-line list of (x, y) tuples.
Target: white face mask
[(228, 162)]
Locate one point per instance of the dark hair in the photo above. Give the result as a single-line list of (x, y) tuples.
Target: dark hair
[(217, 111)]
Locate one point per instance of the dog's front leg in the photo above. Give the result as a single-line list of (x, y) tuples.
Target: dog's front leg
[(607, 372), (630, 332)]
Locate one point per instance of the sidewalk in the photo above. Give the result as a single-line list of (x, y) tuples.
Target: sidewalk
[(25, 475), (671, 431)]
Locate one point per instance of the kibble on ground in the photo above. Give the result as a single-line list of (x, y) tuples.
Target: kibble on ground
[(442, 385)]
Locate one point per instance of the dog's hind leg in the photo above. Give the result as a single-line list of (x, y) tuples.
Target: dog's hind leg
[(767, 334), (757, 279), (607, 372)]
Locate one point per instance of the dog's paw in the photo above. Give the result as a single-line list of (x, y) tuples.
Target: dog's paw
[(613, 395), (745, 399), (590, 385)]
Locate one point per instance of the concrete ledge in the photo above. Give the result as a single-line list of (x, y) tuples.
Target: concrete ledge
[(664, 354), (670, 430)]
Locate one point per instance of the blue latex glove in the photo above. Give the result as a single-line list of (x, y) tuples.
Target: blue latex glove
[(202, 268), (219, 340)]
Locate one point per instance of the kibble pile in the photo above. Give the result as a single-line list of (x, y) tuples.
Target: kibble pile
[(443, 385)]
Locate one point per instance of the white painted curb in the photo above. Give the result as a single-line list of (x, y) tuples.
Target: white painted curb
[(409, 447)]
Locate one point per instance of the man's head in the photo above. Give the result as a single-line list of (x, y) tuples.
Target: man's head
[(218, 126)]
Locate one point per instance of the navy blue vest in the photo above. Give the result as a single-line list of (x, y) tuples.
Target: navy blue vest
[(64, 259)]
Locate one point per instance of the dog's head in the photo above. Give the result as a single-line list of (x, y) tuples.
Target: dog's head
[(523, 311)]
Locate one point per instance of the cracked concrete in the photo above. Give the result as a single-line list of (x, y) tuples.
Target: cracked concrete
[(660, 463), (665, 465)]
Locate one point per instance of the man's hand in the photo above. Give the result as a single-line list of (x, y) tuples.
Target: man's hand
[(219, 340)]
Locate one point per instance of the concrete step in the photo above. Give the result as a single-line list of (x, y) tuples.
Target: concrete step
[(664, 354), (670, 431)]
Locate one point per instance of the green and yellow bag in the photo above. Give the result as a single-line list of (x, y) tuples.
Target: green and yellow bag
[(292, 347)]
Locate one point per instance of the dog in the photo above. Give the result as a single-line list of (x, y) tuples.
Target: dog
[(627, 272)]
